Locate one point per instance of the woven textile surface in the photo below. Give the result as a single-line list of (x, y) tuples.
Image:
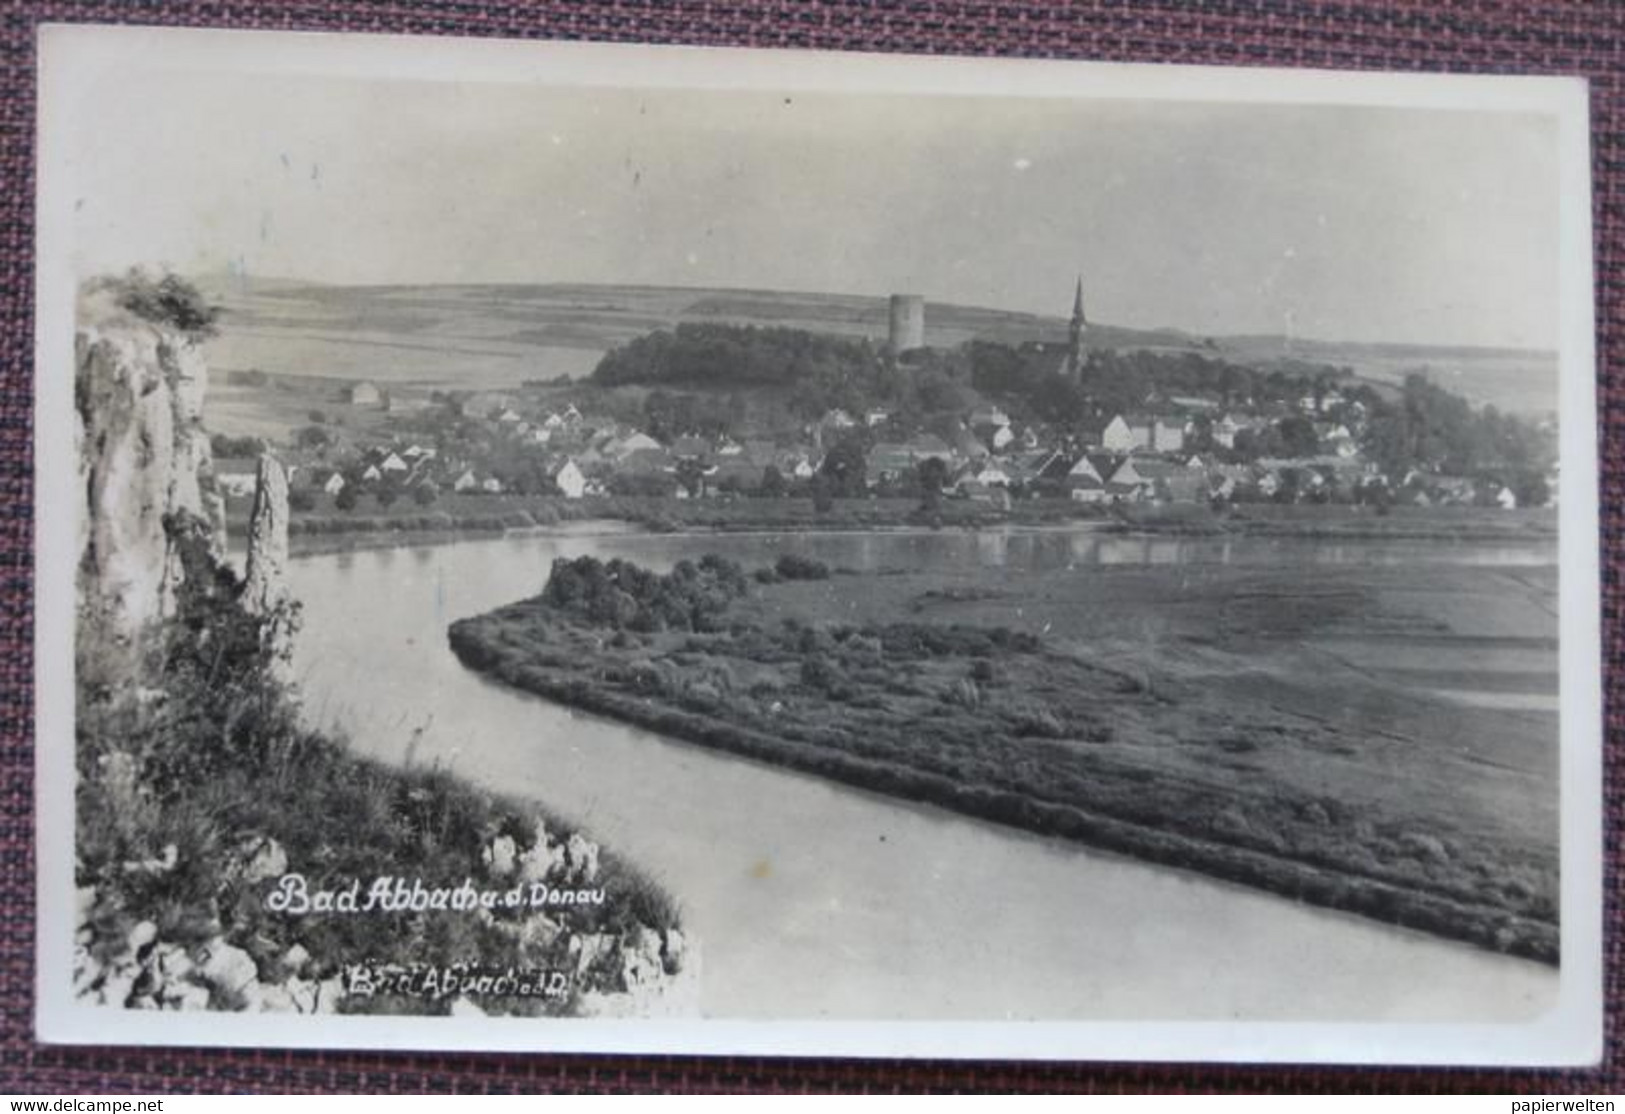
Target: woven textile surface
[(1482, 36)]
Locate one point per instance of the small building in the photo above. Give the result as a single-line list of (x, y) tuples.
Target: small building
[(364, 393), (691, 448), (1083, 483), (392, 462), (1154, 435), (334, 484), (984, 475), (1114, 435), (988, 417), (406, 402), (236, 476), (570, 480), (620, 448), (1126, 484)]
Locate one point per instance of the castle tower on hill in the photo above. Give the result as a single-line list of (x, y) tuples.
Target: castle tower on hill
[(1075, 360), (907, 321)]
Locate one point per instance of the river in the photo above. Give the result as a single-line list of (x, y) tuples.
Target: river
[(814, 900)]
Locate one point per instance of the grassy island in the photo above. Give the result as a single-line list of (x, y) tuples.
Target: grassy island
[(1261, 725)]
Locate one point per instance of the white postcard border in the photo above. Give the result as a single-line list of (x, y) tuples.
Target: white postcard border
[(1571, 1034)]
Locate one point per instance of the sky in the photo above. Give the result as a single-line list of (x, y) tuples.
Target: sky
[(1339, 223)]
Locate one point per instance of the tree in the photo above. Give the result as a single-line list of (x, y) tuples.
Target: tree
[(222, 445), (773, 485), (823, 501), (424, 494), (931, 476), (312, 437), (691, 474), (1298, 437), (345, 500), (169, 300), (844, 468)]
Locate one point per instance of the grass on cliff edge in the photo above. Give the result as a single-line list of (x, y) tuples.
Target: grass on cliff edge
[(202, 750), (1191, 716)]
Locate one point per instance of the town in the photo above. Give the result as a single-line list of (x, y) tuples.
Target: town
[(729, 412)]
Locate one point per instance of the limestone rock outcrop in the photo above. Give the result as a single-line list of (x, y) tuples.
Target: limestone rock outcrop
[(144, 457), (145, 465)]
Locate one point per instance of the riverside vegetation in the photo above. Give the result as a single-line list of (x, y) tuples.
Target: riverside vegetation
[(199, 786), (1048, 702)]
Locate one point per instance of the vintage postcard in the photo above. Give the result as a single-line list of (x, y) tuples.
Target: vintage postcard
[(565, 547)]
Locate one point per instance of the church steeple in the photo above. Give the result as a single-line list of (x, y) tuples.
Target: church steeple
[(1079, 325)]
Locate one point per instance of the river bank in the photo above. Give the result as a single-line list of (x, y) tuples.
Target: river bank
[(484, 517), (1382, 807)]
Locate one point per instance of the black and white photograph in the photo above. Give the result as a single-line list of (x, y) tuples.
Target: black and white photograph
[(550, 546)]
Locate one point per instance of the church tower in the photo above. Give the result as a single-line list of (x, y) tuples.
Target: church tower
[(1079, 326)]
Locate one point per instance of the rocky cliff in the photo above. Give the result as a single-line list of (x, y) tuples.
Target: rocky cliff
[(143, 458), (145, 465)]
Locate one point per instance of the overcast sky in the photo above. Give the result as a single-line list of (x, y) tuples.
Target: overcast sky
[(1338, 223)]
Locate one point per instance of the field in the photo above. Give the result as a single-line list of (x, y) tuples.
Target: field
[(1307, 730)]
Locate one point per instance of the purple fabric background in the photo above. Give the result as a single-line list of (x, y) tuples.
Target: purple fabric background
[(1478, 36)]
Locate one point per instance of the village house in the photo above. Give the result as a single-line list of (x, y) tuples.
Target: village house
[(988, 417), (334, 484), (569, 479), (1126, 485), (364, 393), (1114, 436), (647, 461), (236, 476), (1171, 482), (407, 402), (1083, 482), (1193, 402), (1156, 436), (485, 405), (620, 448), (392, 462), (984, 474), (797, 464), (967, 445), (691, 448), (1336, 439), (888, 462), (1026, 468)]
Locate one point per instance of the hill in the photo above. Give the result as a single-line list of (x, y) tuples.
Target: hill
[(477, 336)]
